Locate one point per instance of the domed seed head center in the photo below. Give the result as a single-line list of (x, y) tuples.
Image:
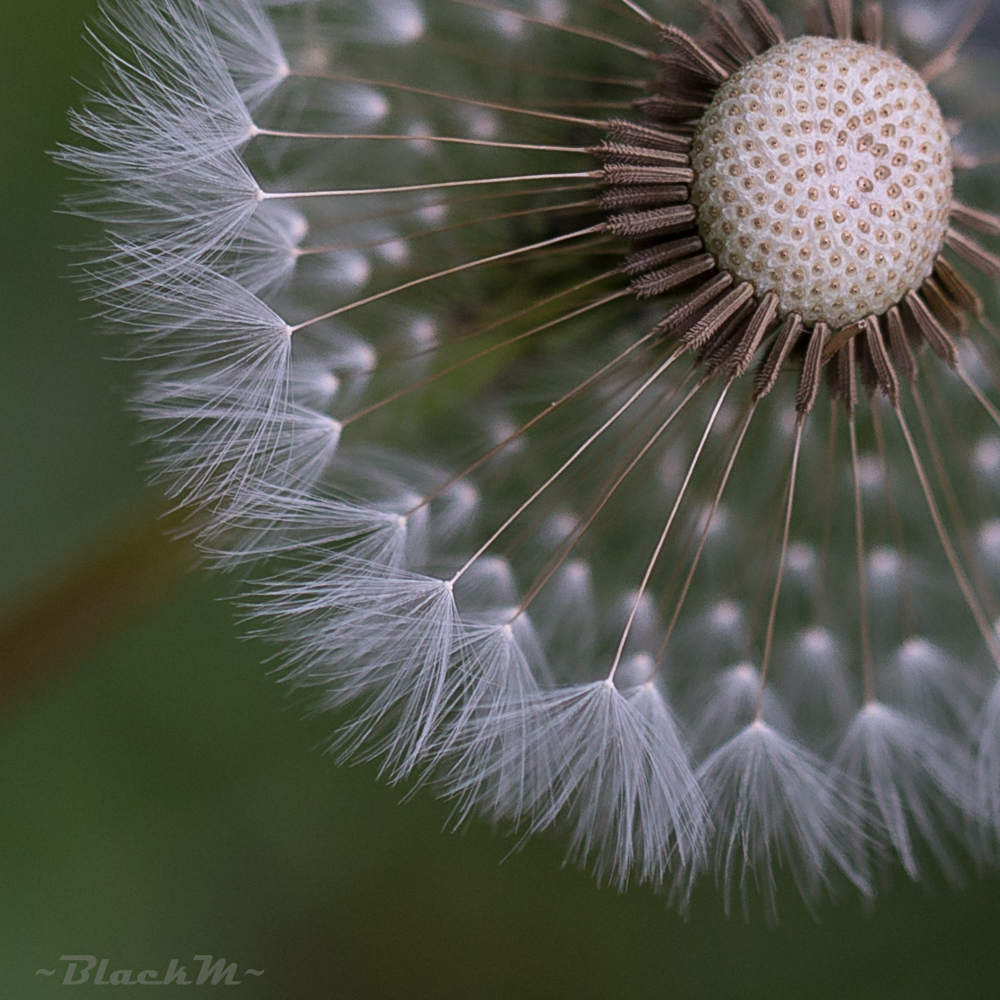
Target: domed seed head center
[(824, 174)]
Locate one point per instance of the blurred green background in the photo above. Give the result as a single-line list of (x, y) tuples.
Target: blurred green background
[(160, 798)]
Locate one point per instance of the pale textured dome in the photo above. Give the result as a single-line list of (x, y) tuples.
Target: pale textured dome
[(824, 175)]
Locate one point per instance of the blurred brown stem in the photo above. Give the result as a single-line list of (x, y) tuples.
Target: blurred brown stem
[(49, 629)]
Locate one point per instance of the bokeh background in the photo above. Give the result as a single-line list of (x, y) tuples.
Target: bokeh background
[(160, 797)]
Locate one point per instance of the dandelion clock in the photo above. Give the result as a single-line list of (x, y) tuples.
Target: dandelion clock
[(601, 413)]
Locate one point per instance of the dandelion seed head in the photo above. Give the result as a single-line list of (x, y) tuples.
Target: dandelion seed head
[(433, 214), (801, 558), (552, 10), (989, 540), (869, 472), (313, 58), (884, 564), (713, 521), (420, 130), (817, 642), (726, 616), (509, 24), (986, 456), (403, 20), (348, 270), (394, 251), (423, 333), (482, 124), (916, 651), (600, 413), (921, 19)]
